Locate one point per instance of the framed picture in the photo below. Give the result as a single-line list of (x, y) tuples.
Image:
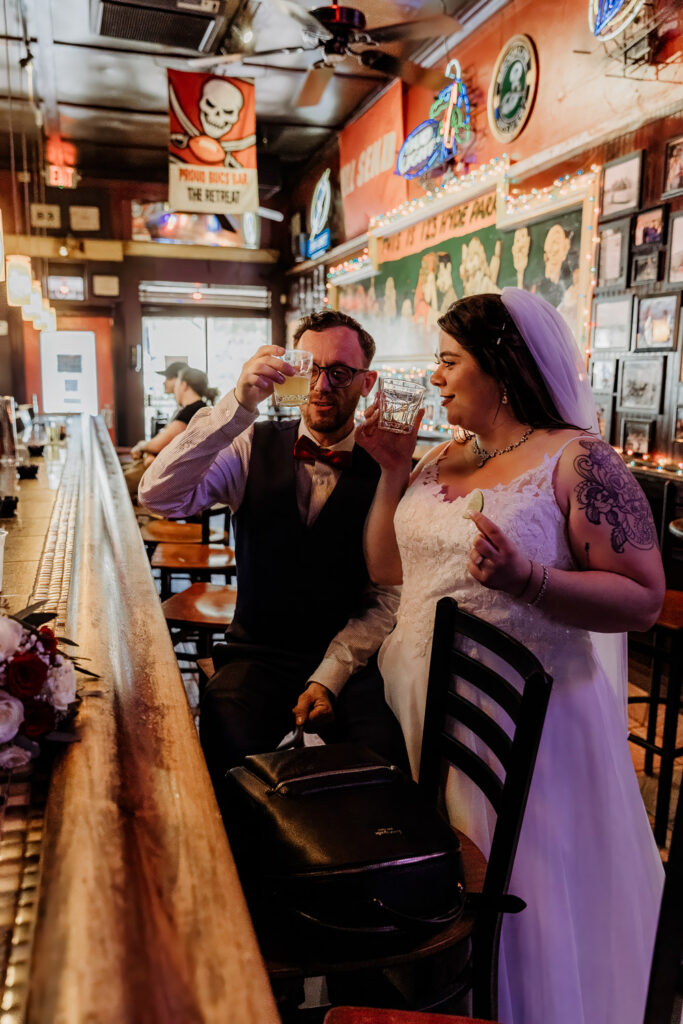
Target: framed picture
[(621, 185), (641, 384), (612, 323), (637, 436), (603, 374), (656, 321), (70, 288), (645, 267), (603, 406), (678, 426), (650, 227), (673, 167), (613, 253), (674, 271)]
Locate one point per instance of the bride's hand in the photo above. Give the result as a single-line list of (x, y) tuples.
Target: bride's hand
[(495, 562), (392, 451)]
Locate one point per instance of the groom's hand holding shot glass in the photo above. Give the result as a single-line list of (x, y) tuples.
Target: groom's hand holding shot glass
[(260, 374)]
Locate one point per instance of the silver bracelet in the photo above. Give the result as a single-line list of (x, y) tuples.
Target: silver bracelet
[(541, 589)]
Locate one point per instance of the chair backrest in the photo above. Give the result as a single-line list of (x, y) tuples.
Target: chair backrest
[(665, 992), (214, 513), (525, 704)]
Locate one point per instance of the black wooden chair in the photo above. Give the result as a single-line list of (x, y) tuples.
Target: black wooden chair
[(526, 706), (665, 992), (295, 957)]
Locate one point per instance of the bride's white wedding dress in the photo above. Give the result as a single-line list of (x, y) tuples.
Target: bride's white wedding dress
[(586, 863)]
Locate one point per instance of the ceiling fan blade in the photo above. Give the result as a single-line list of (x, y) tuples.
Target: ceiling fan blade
[(408, 72), (209, 62), (302, 17), (314, 86), (233, 58), (422, 28)]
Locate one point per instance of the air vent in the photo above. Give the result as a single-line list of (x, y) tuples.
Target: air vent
[(165, 27), (198, 25)]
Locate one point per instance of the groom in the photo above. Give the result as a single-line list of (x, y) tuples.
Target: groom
[(308, 623)]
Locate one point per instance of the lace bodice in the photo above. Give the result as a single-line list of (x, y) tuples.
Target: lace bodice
[(435, 541)]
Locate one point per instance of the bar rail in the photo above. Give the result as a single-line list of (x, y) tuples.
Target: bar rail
[(141, 917)]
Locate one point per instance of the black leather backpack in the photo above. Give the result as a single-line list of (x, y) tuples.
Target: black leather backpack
[(337, 835)]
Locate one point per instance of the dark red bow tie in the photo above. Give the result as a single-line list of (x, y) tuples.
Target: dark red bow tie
[(305, 448)]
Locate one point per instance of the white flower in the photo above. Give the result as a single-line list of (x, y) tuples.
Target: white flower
[(11, 716), (13, 757), (11, 633), (61, 685)]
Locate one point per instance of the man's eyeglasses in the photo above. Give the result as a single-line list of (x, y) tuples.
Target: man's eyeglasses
[(339, 375)]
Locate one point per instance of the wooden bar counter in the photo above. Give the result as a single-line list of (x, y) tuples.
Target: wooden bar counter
[(140, 914)]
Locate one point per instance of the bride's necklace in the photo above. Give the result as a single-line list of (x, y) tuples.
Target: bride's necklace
[(485, 454)]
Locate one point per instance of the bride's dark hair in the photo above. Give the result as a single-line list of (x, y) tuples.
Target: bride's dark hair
[(482, 325)]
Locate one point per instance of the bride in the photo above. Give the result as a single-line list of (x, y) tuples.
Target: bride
[(532, 522)]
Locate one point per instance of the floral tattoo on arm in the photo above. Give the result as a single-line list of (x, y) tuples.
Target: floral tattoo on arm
[(608, 489)]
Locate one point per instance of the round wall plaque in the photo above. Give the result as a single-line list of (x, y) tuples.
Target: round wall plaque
[(513, 88)]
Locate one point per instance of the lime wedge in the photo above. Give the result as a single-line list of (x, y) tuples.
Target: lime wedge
[(474, 504)]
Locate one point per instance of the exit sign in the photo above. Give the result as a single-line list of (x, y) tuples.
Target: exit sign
[(61, 177)]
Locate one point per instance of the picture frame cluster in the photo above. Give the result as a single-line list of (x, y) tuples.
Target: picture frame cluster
[(631, 247), (636, 313)]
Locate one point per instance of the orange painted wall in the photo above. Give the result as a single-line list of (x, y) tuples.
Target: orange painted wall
[(101, 328), (575, 94)]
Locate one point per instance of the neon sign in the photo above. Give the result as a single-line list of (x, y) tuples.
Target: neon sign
[(607, 18), (436, 140), (319, 239)]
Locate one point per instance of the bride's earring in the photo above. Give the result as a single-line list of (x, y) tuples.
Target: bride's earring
[(504, 399)]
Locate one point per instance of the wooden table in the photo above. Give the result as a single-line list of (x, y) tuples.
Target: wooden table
[(200, 561)]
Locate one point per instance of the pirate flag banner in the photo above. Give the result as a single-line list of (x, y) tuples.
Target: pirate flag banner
[(212, 150)]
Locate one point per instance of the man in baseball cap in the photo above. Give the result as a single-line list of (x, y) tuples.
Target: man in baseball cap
[(170, 373)]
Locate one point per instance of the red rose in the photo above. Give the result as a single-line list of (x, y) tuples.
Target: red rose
[(39, 718), (48, 641), (26, 675)]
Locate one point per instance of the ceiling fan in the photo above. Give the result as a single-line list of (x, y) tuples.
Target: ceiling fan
[(338, 31)]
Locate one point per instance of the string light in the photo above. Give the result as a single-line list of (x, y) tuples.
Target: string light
[(352, 269), (563, 187), (478, 178)]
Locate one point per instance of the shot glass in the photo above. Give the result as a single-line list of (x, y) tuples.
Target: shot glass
[(399, 401), (3, 536), (294, 390)]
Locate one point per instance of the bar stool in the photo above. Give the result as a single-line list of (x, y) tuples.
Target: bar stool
[(676, 528), (199, 612), (666, 649), (361, 1015), (201, 561)]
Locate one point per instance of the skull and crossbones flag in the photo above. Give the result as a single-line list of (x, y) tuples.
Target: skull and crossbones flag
[(212, 148)]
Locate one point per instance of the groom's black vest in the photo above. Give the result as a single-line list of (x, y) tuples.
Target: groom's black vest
[(298, 585)]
